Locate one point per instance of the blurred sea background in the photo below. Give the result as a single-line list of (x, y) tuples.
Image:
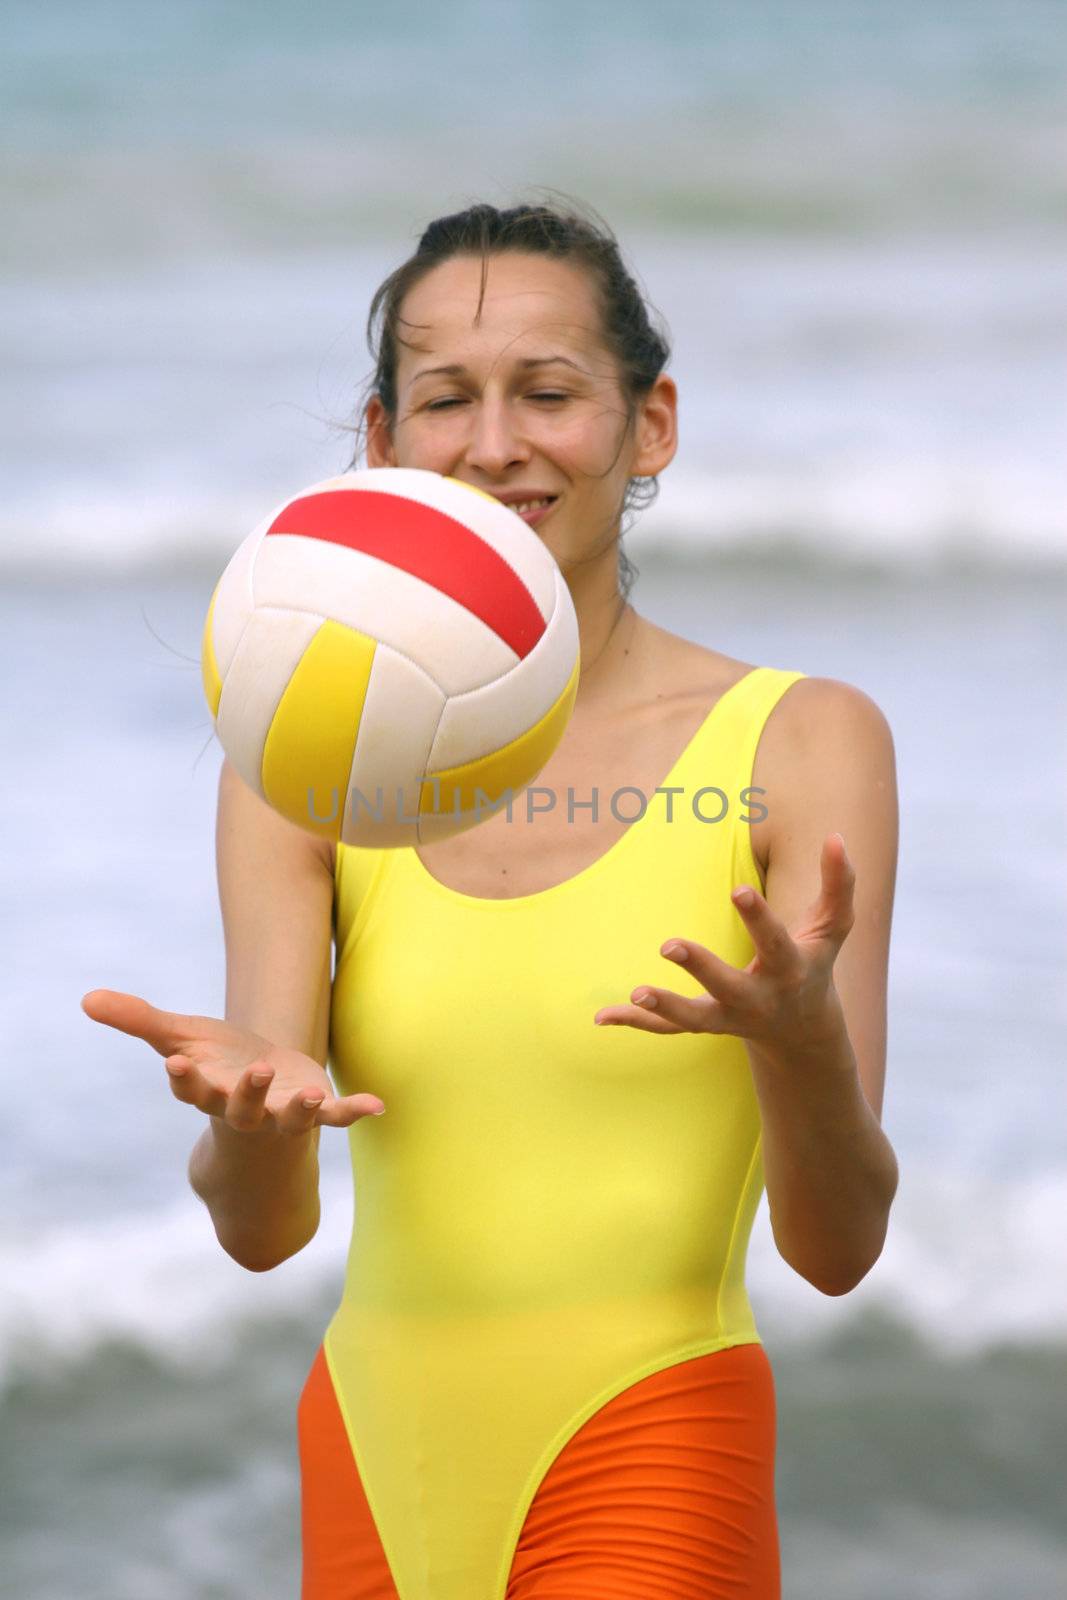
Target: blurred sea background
[(853, 218)]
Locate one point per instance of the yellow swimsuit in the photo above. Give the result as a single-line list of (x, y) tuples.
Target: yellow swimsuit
[(549, 1211)]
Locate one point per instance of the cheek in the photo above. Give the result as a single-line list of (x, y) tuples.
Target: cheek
[(589, 443), (428, 445)]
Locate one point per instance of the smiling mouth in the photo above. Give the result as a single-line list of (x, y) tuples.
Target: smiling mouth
[(534, 512), (523, 506)]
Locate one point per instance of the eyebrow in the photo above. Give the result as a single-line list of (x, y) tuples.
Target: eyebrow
[(456, 369)]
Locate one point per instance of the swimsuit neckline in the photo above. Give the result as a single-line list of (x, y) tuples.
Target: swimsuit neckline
[(542, 896)]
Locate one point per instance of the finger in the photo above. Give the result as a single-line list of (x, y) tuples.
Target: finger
[(775, 948), (645, 1021), (836, 902), (688, 1013), (165, 1031), (301, 1112), (831, 914), (722, 981), (246, 1106), (662, 1011), (189, 1085), (347, 1109)]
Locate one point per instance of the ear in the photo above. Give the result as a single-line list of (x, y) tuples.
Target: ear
[(656, 429), (380, 452)]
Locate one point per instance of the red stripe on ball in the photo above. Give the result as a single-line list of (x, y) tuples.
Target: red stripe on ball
[(430, 545)]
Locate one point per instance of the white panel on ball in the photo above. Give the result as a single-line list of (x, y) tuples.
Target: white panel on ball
[(455, 647), (401, 712), (475, 724), (234, 599), (267, 655)]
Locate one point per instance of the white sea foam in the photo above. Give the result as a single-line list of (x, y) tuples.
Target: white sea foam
[(886, 515), (967, 1264), (895, 403)]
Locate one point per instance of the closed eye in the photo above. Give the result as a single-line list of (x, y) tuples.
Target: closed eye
[(445, 401)]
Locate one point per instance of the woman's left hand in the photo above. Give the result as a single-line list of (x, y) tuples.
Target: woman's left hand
[(784, 1000)]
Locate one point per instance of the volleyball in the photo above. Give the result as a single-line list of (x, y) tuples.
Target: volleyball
[(389, 656)]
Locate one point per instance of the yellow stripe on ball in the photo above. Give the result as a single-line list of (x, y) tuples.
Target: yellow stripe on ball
[(209, 667), (312, 735), (473, 490), (511, 767)]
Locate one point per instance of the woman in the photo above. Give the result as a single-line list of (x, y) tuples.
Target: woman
[(544, 1378)]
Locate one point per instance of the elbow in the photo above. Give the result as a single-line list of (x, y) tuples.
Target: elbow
[(839, 1284), (837, 1277), (837, 1288), (261, 1250), (254, 1264), (250, 1259), (835, 1273), (254, 1259)]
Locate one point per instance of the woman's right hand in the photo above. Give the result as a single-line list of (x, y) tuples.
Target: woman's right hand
[(252, 1085)]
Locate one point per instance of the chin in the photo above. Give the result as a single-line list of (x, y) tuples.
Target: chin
[(563, 561)]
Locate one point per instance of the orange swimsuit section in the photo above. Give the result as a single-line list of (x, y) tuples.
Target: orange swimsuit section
[(666, 1493), (544, 1377)]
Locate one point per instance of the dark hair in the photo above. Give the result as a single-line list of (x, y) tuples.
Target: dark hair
[(564, 233)]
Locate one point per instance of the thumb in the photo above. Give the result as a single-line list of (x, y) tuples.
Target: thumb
[(165, 1031), (833, 912)]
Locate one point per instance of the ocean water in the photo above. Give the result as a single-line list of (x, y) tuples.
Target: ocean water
[(853, 220)]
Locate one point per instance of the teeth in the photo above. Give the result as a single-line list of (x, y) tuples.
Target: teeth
[(529, 505)]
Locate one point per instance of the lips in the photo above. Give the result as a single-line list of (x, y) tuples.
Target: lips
[(534, 511)]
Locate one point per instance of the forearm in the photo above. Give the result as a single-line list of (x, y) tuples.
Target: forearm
[(261, 1189), (830, 1171)]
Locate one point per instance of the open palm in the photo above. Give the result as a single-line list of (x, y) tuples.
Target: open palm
[(231, 1073)]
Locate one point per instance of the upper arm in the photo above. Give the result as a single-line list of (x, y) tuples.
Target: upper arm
[(827, 763), (276, 894)]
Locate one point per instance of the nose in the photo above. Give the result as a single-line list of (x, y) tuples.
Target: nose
[(495, 444)]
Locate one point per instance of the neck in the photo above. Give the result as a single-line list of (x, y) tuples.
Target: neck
[(604, 624)]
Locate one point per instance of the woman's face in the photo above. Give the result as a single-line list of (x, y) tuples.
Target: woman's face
[(523, 401)]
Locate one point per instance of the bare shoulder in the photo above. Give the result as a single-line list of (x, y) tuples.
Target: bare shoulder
[(815, 713), (813, 717), (685, 668)]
